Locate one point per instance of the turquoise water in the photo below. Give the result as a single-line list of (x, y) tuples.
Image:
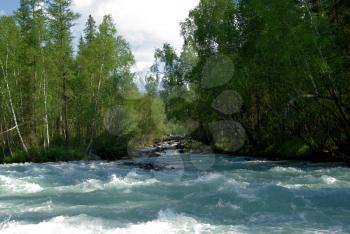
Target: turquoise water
[(192, 194)]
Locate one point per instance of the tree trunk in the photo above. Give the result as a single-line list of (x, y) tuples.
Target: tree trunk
[(5, 74), (65, 109), (46, 119)]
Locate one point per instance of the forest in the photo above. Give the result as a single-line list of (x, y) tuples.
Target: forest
[(254, 77)]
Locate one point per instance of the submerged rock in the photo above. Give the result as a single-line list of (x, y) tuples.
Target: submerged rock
[(147, 166)]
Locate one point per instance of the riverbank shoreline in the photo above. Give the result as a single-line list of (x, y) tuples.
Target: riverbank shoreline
[(184, 145)]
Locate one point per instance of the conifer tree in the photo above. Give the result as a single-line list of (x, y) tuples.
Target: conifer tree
[(61, 21)]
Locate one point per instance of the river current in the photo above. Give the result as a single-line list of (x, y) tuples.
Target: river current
[(190, 194)]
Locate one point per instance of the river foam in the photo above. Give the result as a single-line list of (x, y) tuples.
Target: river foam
[(167, 222), (13, 185)]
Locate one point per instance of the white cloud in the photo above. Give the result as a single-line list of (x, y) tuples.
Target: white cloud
[(2, 12), (146, 24)]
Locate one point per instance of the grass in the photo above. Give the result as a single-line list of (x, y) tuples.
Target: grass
[(53, 154)]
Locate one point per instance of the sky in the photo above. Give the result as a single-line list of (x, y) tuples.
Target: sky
[(145, 24)]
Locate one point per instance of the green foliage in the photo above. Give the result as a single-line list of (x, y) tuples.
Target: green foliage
[(176, 128), (60, 99), (293, 148), (152, 117), (111, 147), (56, 153), (286, 63), (104, 78)]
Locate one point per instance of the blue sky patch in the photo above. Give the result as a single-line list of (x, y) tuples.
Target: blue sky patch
[(8, 6)]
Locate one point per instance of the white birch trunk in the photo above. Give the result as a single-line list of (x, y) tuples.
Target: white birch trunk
[(46, 116), (5, 74)]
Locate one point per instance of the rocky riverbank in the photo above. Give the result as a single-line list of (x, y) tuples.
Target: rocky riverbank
[(160, 146)]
